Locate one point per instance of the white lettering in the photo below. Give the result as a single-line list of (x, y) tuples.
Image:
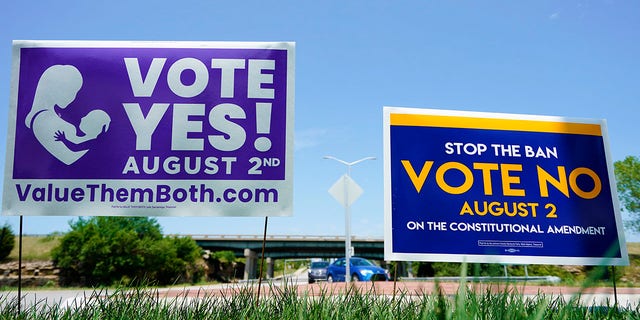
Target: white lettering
[(233, 136), (227, 78), (199, 84), (257, 79), (143, 87), (182, 126), (144, 126)]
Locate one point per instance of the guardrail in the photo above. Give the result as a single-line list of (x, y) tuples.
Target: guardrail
[(549, 279), (241, 237)]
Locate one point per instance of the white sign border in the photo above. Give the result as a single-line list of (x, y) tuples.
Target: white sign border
[(237, 209), (389, 255)]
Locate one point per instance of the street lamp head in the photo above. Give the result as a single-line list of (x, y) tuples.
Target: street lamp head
[(367, 158), (348, 163)]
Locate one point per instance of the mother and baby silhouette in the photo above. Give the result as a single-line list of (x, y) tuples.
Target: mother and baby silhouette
[(57, 88)]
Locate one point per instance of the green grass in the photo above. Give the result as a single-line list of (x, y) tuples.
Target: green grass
[(285, 303)]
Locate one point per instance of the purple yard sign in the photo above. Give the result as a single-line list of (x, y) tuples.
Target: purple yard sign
[(150, 129)]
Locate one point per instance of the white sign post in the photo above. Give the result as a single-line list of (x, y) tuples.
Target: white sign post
[(346, 191)]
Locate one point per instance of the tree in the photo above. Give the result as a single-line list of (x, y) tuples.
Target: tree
[(7, 241), (107, 250), (628, 184)]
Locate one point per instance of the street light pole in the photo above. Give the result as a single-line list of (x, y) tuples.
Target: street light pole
[(347, 214)]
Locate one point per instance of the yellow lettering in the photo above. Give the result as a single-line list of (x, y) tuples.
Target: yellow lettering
[(522, 209), (417, 179), (466, 208), (508, 180), (560, 184), (495, 211), (486, 169), (533, 206), (512, 213), (484, 208), (597, 184), (464, 187)]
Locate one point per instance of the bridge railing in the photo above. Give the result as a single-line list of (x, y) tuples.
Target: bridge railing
[(244, 237)]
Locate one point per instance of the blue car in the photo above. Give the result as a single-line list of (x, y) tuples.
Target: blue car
[(361, 270)]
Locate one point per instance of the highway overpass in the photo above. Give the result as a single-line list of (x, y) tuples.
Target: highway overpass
[(288, 247)]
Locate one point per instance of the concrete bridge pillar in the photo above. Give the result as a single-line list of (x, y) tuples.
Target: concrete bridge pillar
[(251, 264), (402, 269), (270, 263)]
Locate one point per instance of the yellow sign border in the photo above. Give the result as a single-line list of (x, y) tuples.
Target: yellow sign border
[(423, 120)]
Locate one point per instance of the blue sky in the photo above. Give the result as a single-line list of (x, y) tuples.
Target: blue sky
[(576, 59)]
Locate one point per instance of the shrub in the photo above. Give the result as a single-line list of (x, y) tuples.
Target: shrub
[(7, 241), (108, 250)]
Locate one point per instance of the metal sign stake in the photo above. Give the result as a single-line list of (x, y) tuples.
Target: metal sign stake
[(20, 269), (264, 241)]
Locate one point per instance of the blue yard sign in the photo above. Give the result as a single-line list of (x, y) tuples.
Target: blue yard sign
[(499, 188)]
